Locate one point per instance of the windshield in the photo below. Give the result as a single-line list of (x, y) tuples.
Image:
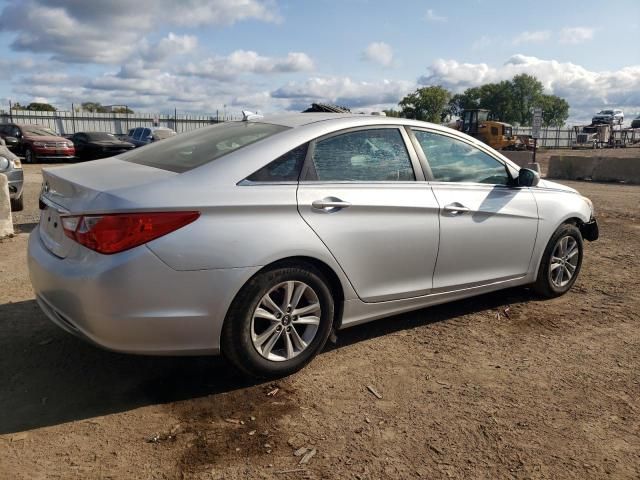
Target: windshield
[(39, 131), (161, 134), (606, 112), (190, 150), (101, 136)]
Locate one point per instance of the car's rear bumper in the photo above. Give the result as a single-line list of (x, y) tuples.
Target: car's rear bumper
[(133, 302)]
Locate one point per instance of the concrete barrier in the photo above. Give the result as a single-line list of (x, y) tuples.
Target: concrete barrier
[(596, 168), (524, 159), (6, 223)]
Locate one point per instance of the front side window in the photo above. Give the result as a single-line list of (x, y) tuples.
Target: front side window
[(372, 155), (285, 168), (452, 160), (137, 133)]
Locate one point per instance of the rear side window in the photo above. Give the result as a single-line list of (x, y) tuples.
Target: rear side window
[(371, 155), (285, 168), (193, 149)]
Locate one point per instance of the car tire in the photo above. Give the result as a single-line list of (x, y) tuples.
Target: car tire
[(264, 339), (29, 157), (17, 204), (562, 258)]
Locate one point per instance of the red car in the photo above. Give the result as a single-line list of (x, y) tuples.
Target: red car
[(36, 142)]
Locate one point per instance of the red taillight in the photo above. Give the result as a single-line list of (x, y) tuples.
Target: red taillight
[(113, 233)]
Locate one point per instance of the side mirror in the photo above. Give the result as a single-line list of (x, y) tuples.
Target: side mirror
[(11, 141), (528, 178)]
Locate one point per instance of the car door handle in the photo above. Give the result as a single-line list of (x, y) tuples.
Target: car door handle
[(456, 209), (330, 204)]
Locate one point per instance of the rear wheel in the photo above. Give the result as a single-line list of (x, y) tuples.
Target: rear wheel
[(560, 263), (278, 322)]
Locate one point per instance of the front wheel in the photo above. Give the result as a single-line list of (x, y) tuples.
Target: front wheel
[(29, 157), (278, 322), (561, 262)]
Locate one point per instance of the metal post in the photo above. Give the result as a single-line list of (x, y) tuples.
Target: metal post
[(535, 147), (10, 112)]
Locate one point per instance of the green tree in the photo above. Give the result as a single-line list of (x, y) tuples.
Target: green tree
[(122, 110), (527, 91), (94, 107), (41, 107), (555, 110), (392, 113), (427, 103)]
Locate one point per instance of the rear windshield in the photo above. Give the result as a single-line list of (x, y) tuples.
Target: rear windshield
[(190, 150), (101, 136)]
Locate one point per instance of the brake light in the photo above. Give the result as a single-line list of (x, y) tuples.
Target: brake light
[(113, 233)]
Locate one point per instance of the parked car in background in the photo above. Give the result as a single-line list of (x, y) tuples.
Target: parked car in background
[(11, 166), (635, 123), (144, 135), (257, 239), (613, 117), (36, 142), (94, 145)]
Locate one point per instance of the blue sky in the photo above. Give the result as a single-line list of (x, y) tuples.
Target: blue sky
[(274, 55)]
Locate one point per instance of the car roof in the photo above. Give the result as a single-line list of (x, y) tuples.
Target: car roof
[(335, 121), (299, 119)]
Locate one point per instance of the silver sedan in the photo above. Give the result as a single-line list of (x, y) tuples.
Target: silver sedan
[(258, 239)]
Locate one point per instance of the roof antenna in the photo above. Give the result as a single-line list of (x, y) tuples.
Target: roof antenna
[(247, 115)]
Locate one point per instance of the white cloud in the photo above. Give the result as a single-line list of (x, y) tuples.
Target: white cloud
[(532, 37), (431, 16), (247, 61), (170, 45), (380, 53), (109, 32), (344, 91), (576, 35), (585, 90)]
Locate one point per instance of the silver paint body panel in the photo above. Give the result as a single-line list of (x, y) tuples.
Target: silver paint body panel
[(394, 249)]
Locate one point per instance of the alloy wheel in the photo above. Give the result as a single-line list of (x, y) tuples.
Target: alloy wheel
[(286, 321), (564, 261)]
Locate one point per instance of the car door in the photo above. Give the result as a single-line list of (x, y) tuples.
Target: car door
[(488, 227), (364, 195)]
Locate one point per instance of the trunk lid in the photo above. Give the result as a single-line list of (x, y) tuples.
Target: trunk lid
[(75, 189)]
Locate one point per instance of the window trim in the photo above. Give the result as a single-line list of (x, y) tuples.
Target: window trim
[(308, 174), (512, 180), (245, 182)]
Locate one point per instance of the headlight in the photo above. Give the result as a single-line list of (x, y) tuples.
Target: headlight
[(590, 203), (4, 164)]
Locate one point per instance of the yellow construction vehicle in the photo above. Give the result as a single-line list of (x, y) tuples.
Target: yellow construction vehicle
[(499, 135)]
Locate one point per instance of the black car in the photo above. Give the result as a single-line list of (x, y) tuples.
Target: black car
[(94, 145), (635, 123)]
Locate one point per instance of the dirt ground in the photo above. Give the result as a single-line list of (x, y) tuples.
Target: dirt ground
[(551, 390)]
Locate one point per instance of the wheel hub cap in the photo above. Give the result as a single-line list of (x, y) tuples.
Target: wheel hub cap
[(286, 321), (564, 261)]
